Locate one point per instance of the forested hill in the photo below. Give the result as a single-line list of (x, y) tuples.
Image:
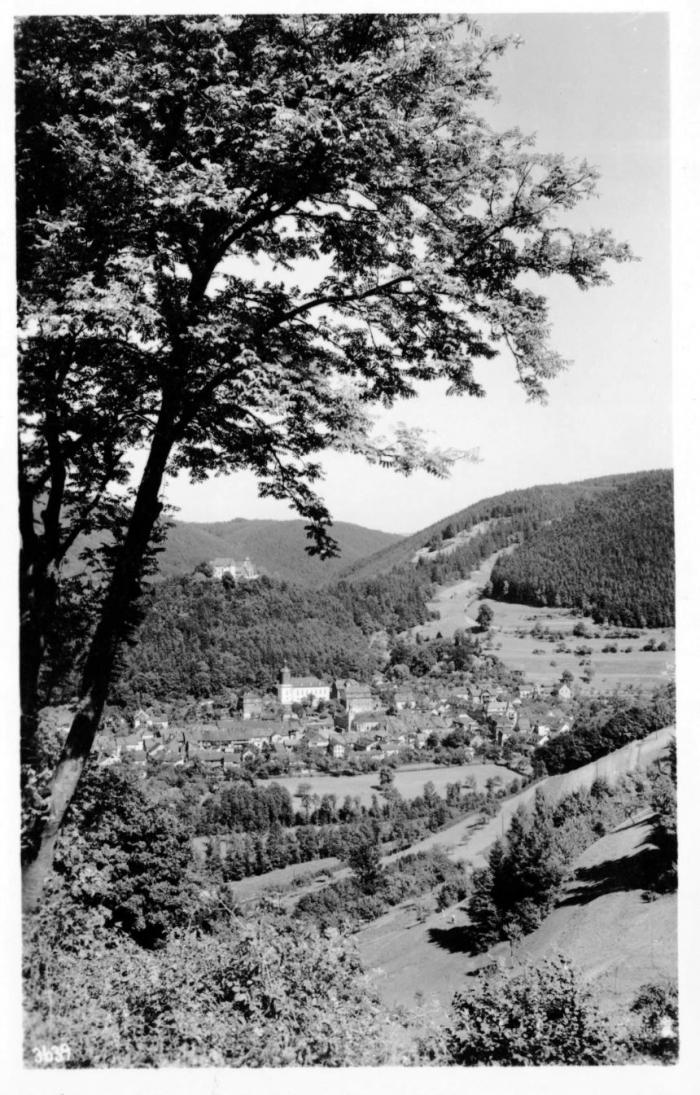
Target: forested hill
[(277, 548), (460, 542), (613, 557), (201, 635)]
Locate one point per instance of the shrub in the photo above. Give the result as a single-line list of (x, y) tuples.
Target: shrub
[(263, 994), (126, 857), (656, 1005), (544, 1015)]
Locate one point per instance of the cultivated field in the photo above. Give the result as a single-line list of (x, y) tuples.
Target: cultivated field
[(409, 781), (646, 668), (458, 606)]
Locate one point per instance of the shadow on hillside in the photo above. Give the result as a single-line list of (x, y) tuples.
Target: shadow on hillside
[(639, 871), (455, 940)]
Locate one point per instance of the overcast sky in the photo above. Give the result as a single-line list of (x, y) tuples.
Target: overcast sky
[(594, 87)]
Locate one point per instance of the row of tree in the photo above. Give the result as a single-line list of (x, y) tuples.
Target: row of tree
[(244, 838)]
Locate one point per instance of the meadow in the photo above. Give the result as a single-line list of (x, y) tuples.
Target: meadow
[(638, 667), (458, 606), (408, 781)]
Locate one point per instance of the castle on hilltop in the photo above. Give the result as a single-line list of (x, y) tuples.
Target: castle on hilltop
[(240, 572)]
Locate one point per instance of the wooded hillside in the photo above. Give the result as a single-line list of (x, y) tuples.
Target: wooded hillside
[(612, 558), (510, 517)]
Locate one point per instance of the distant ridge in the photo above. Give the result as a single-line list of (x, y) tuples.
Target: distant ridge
[(277, 548)]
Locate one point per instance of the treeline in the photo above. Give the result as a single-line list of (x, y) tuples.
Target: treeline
[(526, 869), (613, 558), (253, 830), (595, 738)]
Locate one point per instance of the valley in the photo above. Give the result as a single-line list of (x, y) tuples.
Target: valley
[(359, 796)]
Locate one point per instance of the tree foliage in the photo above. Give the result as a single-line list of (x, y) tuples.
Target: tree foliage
[(128, 857), (172, 173), (484, 617), (258, 994)]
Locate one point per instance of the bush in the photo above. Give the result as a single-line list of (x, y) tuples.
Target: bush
[(544, 1015), (656, 1036), (126, 857), (263, 994)]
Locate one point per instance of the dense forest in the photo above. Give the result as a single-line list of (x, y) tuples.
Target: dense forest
[(512, 517), (200, 636), (612, 558)]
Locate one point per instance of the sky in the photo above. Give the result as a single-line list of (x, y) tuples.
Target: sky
[(590, 86)]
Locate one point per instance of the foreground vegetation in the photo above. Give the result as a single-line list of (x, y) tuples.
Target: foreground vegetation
[(140, 957)]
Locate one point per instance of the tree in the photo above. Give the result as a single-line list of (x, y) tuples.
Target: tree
[(656, 1004), (386, 777), (128, 857), (171, 171), (484, 617), (365, 859)]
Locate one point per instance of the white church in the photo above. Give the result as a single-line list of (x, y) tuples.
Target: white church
[(293, 689)]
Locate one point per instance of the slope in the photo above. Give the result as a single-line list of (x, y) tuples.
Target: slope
[(409, 958), (456, 545), (612, 558)]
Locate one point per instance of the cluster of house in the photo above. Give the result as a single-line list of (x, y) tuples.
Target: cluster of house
[(360, 725)]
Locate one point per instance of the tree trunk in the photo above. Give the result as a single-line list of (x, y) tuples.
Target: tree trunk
[(109, 634)]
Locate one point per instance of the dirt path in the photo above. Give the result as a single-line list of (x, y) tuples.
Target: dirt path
[(453, 602)]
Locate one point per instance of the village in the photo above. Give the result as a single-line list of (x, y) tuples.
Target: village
[(347, 725)]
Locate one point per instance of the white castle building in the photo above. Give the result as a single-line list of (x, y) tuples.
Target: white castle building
[(240, 572)]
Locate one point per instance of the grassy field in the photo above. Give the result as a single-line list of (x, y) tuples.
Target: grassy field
[(639, 667), (458, 605), (409, 782)]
